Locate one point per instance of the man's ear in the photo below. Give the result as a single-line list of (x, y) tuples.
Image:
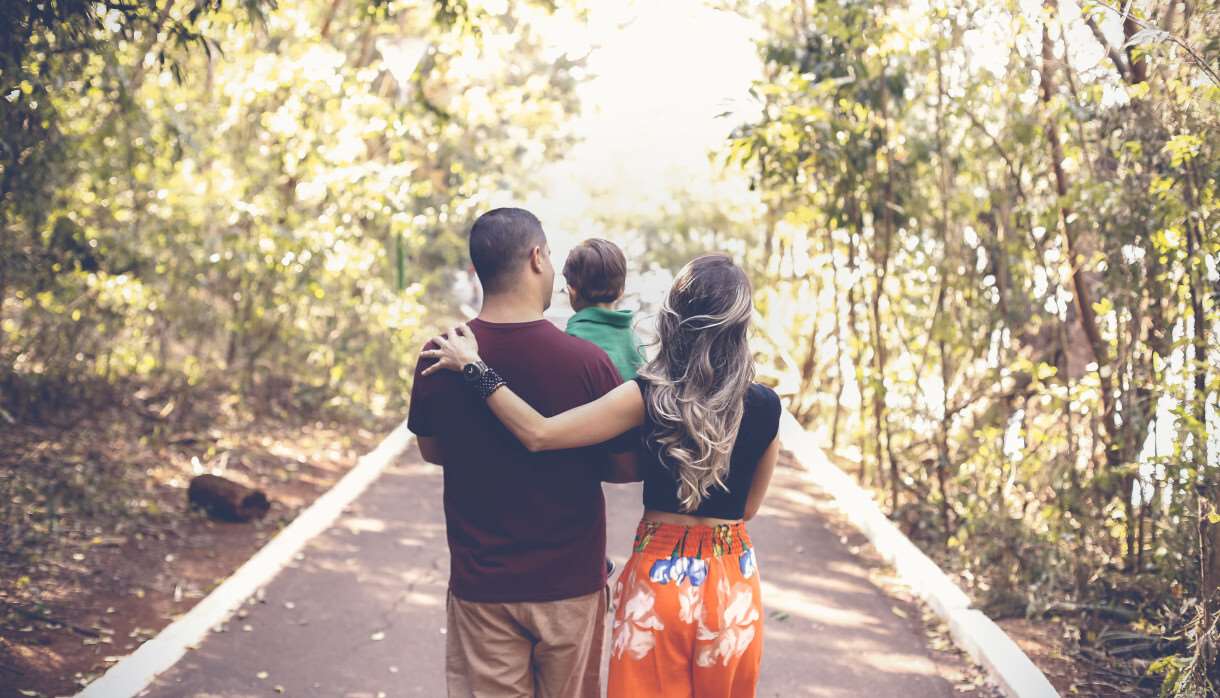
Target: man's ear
[(536, 259)]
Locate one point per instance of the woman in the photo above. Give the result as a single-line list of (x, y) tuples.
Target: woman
[(688, 614)]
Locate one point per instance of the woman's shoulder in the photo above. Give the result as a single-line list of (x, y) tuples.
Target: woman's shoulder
[(762, 394), (763, 402)]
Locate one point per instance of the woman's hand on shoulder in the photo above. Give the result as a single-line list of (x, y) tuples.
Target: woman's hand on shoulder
[(453, 350)]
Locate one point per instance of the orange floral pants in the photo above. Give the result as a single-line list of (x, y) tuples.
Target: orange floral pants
[(687, 615)]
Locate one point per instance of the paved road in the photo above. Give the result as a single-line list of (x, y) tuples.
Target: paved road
[(361, 614)]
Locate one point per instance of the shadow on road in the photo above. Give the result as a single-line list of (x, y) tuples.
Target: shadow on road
[(362, 612)]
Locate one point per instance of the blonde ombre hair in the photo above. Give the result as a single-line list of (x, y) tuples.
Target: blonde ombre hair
[(699, 378)]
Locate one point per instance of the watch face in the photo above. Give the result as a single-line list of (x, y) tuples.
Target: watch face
[(470, 369)]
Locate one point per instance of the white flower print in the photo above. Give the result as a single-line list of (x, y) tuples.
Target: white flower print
[(741, 610), (738, 619), (690, 604), (634, 632)]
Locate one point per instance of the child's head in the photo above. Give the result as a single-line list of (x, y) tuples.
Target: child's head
[(595, 271)]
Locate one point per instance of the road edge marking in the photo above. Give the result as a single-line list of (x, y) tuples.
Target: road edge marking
[(972, 631), (136, 671)]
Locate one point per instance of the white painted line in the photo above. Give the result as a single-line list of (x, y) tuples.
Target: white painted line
[(973, 631), (137, 670)]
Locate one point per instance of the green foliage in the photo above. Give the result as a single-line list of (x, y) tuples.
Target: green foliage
[(240, 192), (1010, 280)]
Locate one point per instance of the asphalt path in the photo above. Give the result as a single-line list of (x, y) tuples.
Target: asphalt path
[(361, 613)]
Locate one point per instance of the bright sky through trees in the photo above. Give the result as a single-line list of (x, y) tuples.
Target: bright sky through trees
[(660, 74)]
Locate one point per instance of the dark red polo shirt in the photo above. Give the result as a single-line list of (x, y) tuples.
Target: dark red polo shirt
[(522, 526)]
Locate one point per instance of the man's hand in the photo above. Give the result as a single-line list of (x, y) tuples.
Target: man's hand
[(455, 349)]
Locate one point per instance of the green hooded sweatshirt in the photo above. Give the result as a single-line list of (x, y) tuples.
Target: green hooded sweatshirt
[(610, 330)]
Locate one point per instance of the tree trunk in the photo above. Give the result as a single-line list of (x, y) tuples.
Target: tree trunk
[(324, 32), (1127, 491), (5, 258), (1138, 67), (809, 365), (881, 270), (878, 387), (943, 460), (1205, 488), (1207, 652), (1084, 305), (1209, 556), (1113, 437), (840, 381), (857, 218)]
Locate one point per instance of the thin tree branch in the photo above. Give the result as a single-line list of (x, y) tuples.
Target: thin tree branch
[(1198, 60), (1112, 51)]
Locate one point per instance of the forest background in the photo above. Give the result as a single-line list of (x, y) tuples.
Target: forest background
[(984, 238)]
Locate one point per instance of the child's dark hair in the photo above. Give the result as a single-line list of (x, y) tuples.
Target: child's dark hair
[(597, 270)]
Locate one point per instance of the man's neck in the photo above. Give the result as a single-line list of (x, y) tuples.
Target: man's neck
[(509, 309)]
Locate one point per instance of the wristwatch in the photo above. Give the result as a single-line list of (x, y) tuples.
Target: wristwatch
[(473, 371), (482, 378)]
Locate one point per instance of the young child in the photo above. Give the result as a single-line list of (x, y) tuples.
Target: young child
[(596, 271)]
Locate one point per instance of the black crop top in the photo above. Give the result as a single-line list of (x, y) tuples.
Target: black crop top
[(759, 425)]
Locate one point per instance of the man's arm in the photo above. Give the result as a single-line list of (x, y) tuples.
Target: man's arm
[(423, 416), (430, 449)]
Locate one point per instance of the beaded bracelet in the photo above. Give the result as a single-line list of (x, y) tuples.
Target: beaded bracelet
[(488, 383)]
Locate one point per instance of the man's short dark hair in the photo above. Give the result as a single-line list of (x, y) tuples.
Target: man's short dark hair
[(500, 242), (597, 270)]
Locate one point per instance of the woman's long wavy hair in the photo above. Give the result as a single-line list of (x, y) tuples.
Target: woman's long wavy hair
[(699, 378)]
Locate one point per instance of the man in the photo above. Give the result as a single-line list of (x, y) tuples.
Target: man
[(527, 532)]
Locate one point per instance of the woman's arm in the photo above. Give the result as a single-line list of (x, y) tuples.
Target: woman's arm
[(603, 419), (612, 414), (762, 479)]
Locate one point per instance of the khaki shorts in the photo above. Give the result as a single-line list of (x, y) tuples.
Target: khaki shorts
[(548, 649)]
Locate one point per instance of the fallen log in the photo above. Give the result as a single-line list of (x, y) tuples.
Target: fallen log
[(226, 500)]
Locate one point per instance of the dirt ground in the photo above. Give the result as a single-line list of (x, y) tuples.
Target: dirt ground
[(1059, 646), (91, 569)]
